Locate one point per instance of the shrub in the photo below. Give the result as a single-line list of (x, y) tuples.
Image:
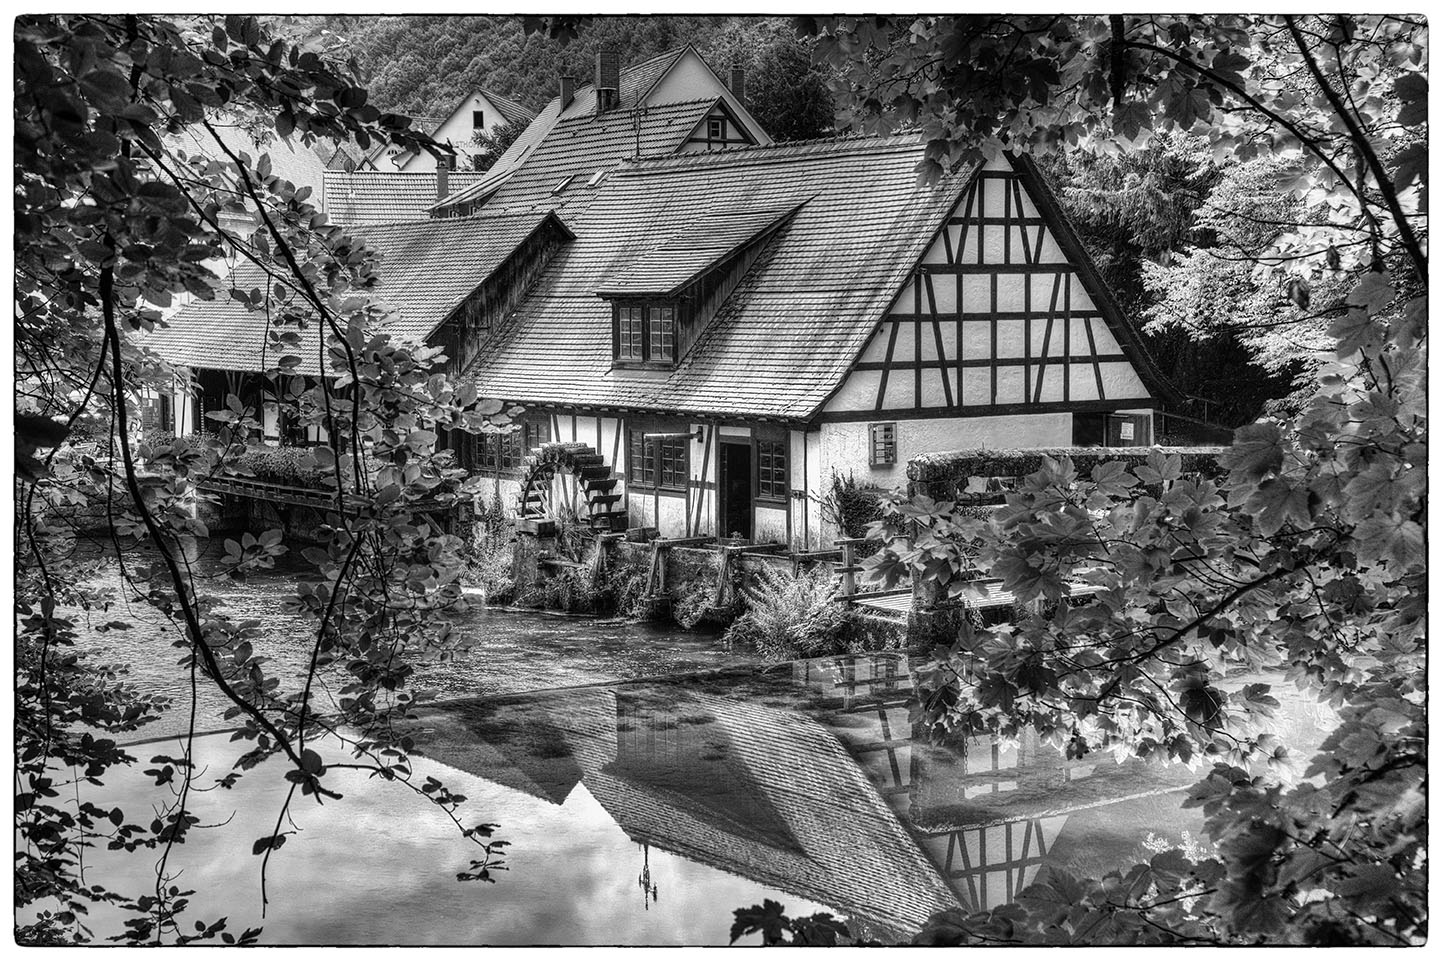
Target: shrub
[(691, 599), (851, 506), (792, 615), (277, 465), (489, 566)]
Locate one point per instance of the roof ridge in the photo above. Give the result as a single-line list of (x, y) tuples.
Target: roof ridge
[(435, 221), (409, 173), (766, 152)]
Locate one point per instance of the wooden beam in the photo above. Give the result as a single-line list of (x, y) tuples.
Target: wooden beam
[(1049, 407)]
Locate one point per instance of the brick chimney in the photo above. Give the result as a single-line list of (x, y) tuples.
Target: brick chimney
[(443, 177), (568, 91), (608, 79), (738, 83)]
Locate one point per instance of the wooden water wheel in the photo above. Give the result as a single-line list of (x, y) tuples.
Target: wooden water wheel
[(594, 494)]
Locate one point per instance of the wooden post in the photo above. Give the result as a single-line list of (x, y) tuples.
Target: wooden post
[(848, 573)]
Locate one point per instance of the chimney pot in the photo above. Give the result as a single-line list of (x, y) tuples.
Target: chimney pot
[(568, 91), (738, 83), (608, 79)]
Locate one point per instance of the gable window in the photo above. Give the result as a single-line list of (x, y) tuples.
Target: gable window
[(771, 470), (716, 128), (663, 458), (883, 444), (478, 119), (645, 333)]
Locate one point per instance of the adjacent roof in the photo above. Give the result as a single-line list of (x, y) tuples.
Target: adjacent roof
[(384, 196), (637, 81), (792, 327), (698, 247), (513, 112), (579, 147), (426, 269)]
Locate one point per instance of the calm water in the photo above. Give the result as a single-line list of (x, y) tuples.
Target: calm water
[(509, 651), (645, 812)]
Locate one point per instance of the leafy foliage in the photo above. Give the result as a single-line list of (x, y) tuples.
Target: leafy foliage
[(113, 222), (790, 615), (1305, 557)]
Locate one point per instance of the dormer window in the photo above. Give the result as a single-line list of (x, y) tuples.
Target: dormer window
[(645, 333), (716, 128), (662, 300)]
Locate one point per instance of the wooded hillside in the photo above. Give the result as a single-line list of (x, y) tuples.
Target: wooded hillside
[(420, 65)]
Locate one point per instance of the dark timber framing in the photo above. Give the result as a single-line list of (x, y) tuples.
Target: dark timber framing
[(1061, 350)]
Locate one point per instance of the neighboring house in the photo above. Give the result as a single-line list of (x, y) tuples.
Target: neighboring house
[(673, 103), (703, 338), (480, 110), (382, 197)]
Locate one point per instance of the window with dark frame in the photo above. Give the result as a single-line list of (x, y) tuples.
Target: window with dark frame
[(646, 333), (663, 458), (663, 334), (771, 470), (883, 444), (716, 128), (478, 119), (508, 451), (630, 333)]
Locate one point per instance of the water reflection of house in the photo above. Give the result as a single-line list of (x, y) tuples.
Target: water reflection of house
[(989, 815), (759, 792)]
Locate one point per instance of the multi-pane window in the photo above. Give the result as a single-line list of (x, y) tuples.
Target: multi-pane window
[(663, 457), (630, 333), (771, 469), (883, 444), (663, 334), (507, 452), (716, 128), (646, 333)]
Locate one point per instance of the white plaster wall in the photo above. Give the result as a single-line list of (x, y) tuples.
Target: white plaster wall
[(846, 446), (769, 525), (457, 131), (691, 79)]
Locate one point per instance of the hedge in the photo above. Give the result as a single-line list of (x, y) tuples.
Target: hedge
[(939, 474)]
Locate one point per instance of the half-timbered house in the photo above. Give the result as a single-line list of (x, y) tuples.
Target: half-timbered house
[(729, 330), (703, 338)]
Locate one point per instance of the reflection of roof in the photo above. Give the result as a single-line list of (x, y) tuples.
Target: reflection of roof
[(580, 147), (700, 246), (787, 335), (751, 790), (425, 270), (385, 196)]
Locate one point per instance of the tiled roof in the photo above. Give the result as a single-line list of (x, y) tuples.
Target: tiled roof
[(426, 269), (637, 81), (696, 248), (384, 196), (580, 147), (513, 112), (791, 329)]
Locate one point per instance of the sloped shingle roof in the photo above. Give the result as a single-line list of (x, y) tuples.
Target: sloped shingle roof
[(384, 196), (696, 248), (792, 327), (512, 112), (427, 268), (580, 147), (637, 81)]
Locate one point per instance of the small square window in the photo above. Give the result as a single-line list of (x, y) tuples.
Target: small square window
[(716, 128), (883, 444), (478, 119)]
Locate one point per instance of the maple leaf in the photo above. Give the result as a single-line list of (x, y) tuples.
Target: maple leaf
[(1256, 450)]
